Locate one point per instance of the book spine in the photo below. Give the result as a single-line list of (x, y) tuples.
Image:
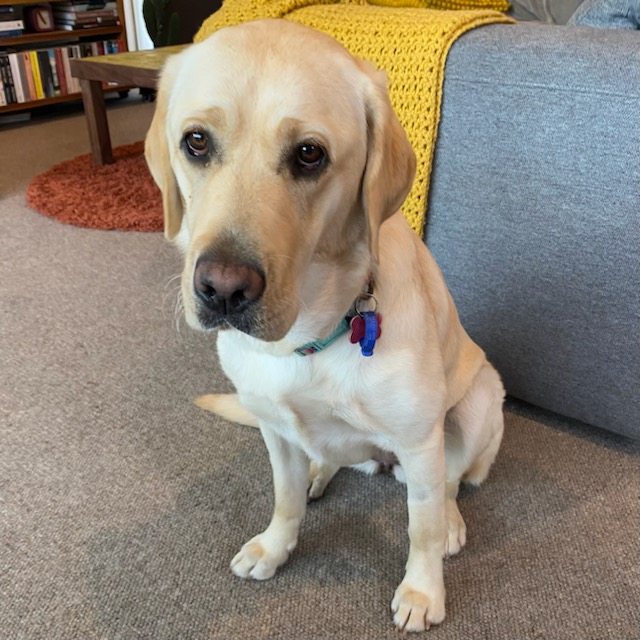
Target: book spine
[(15, 74), (45, 73), (75, 84), (78, 54), (5, 69), (62, 80), (37, 78), (90, 5), (3, 97), (55, 83), (11, 25), (64, 54), (22, 70), (86, 16), (29, 72)]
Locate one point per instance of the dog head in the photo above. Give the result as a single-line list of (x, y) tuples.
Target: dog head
[(273, 147)]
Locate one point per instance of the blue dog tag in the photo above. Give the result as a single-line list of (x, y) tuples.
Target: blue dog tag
[(371, 333)]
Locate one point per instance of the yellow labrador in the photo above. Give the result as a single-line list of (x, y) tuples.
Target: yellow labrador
[(283, 168)]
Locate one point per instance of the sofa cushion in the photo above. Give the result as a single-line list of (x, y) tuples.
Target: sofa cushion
[(549, 11), (607, 14)]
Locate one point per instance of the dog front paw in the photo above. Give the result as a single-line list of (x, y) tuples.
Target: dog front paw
[(260, 558), (415, 609)]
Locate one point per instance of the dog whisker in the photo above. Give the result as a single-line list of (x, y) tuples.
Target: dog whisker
[(172, 288), (178, 311)]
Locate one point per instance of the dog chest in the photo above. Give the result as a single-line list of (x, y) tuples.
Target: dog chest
[(331, 431), (322, 408)]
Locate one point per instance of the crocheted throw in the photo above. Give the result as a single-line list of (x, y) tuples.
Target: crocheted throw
[(409, 39)]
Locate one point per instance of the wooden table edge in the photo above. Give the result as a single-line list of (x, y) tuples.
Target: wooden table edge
[(119, 68)]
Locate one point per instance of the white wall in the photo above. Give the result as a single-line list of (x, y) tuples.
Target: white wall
[(137, 35)]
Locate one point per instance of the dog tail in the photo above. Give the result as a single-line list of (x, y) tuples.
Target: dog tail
[(227, 406)]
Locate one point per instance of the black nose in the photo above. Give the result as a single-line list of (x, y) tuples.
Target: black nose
[(227, 288)]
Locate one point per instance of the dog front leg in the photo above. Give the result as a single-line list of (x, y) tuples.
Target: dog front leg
[(262, 555), (419, 600)]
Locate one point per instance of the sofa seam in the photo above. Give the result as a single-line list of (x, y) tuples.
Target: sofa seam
[(547, 87)]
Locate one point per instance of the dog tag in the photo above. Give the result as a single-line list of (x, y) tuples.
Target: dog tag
[(366, 329)]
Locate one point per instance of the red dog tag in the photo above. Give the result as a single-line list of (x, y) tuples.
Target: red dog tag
[(357, 328)]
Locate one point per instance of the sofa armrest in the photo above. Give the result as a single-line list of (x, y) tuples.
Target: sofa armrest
[(534, 212)]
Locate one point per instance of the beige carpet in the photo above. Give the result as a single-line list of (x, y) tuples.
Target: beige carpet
[(121, 504)]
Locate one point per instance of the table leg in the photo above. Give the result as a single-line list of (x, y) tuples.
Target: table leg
[(96, 114)]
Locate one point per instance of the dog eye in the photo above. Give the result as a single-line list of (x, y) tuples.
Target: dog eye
[(197, 143), (310, 157)]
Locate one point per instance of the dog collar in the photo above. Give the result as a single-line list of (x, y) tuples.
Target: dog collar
[(318, 345), (363, 324)]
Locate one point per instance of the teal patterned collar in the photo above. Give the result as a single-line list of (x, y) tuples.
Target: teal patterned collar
[(319, 345), (364, 298)]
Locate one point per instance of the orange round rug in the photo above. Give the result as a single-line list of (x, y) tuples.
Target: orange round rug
[(120, 196)]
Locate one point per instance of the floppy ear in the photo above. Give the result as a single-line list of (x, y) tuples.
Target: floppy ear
[(391, 163), (156, 151)]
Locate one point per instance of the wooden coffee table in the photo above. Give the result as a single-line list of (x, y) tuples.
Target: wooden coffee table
[(132, 68)]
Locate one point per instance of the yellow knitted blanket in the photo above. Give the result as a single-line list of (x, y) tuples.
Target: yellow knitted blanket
[(409, 39)]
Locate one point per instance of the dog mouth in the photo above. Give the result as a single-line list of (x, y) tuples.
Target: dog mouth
[(253, 321), (248, 321)]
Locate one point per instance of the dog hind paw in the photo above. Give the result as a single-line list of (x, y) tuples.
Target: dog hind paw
[(456, 530), (320, 475)]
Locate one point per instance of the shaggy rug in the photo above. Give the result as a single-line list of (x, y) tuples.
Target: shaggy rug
[(120, 196)]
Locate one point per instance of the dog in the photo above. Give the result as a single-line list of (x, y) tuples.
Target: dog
[(283, 168)]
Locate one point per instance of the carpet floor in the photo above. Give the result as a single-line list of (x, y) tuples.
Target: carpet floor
[(121, 503)]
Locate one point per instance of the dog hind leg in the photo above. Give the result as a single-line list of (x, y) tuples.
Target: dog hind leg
[(473, 434), (487, 396)]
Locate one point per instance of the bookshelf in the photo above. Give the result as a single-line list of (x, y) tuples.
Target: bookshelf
[(80, 40)]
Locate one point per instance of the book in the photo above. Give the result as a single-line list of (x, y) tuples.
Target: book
[(73, 85), (3, 82), (17, 79), (86, 5), (73, 53), (37, 79), (45, 73), (11, 25), (85, 16), (7, 79), (62, 77), (90, 25), (55, 79), (29, 74), (9, 12), (22, 72)]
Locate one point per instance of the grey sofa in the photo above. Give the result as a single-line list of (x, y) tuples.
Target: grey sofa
[(534, 212)]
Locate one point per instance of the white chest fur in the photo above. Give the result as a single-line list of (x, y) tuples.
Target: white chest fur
[(338, 405)]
